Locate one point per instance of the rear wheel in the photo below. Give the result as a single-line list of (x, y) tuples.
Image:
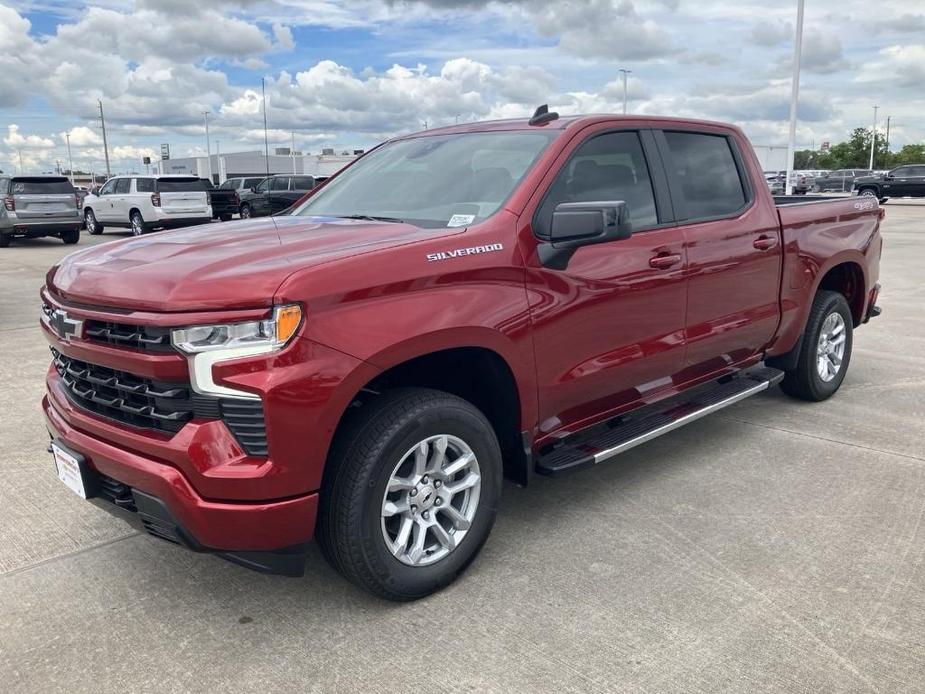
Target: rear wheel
[(138, 223), (413, 494), (225, 218), (70, 237), (868, 192), (5, 240), (93, 226), (245, 211), (825, 351)]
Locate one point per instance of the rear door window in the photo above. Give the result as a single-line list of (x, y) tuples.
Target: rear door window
[(252, 182), (123, 185), (704, 169), (180, 185), (144, 185), (303, 183), (41, 186)]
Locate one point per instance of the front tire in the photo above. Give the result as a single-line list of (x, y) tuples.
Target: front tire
[(70, 237), (825, 351), (5, 241), (868, 192), (412, 493), (245, 212), (94, 228)]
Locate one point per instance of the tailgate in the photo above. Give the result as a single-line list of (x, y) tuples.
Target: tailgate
[(186, 201), (45, 206)]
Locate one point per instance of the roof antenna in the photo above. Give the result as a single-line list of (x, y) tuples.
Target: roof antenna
[(542, 116)]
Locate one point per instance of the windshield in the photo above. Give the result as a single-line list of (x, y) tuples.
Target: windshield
[(180, 185), (436, 181)]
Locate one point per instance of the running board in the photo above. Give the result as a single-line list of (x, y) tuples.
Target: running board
[(630, 433)]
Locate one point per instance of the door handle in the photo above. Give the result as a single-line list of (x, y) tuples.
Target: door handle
[(765, 243), (663, 262)]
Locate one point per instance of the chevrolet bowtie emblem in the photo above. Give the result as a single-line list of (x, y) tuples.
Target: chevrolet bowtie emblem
[(64, 326)]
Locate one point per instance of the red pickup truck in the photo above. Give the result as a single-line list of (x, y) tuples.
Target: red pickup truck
[(457, 306)]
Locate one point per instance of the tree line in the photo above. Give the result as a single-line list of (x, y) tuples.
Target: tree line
[(855, 154)]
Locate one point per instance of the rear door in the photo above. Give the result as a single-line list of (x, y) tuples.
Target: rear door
[(39, 198), (183, 196), (917, 181), (733, 249), (279, 194)]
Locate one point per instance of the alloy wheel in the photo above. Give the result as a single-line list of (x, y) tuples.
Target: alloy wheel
[(431, 500), (830, 352)]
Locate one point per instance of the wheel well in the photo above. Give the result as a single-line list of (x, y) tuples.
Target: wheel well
[(848, 280), (480, 376), (133, 211)]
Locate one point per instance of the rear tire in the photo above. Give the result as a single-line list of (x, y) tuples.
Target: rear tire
[(245, 211), (225, 218), (94, 228), (70, 237), (825, 351), (868, 192), (138, 223), (5, 241), (394, 443)]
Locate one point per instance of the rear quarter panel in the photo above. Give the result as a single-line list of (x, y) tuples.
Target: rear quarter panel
[(817, 237)]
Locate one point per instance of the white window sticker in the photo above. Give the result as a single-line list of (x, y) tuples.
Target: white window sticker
[(460, 220)]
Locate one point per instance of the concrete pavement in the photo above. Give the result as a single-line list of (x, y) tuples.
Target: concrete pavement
[(776, 547)]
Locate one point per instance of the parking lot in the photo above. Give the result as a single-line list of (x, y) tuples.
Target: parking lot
[(776, 546)]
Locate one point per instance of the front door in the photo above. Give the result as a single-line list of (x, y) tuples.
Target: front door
[(608, 330), (119, 200), (103, 210), (733, 249)]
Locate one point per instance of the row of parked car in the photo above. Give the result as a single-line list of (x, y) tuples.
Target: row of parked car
[(40, 206), (903, 181)]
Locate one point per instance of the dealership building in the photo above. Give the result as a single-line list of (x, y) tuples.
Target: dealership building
[(256, 163)]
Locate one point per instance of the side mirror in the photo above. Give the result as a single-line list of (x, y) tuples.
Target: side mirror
[(889, 177), (577, 224)]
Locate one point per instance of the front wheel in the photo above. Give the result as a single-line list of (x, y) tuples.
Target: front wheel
[(868, 193), (5, 241), (225, 218), (93, 226), (245, 211), (825, 350), (412, 493)]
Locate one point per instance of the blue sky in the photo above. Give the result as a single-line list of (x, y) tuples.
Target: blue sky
[(352, 72)]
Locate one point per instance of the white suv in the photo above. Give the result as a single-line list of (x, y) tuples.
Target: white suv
[(144, 203)]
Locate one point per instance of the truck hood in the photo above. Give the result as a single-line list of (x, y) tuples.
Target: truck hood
[(219, 266)]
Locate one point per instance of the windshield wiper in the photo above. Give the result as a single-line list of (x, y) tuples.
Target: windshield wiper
[(371, 218)]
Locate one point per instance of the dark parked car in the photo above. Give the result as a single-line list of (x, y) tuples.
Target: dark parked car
[(224, 202), (838, 181), (902, 182), (274, 194)]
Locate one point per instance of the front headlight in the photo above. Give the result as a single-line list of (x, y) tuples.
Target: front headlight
[(207, 345), (270, 334)]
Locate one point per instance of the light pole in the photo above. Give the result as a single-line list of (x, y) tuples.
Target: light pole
[(70, 160), (873, 138), (205, 115), (794, 96), (625, 73)]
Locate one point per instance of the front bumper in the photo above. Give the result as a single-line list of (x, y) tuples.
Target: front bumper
[(176, 511)]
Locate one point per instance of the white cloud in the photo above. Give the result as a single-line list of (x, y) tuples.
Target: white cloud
[(14, 140), (771, 33), (81, 136), (904, 64)]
